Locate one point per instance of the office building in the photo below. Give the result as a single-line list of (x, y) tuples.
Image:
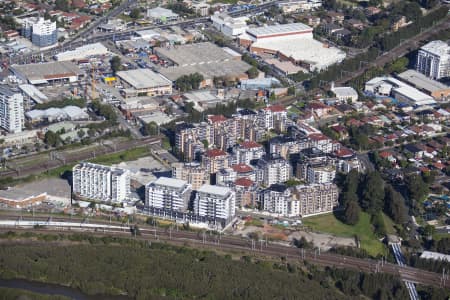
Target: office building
[(11, 109), (101, 183), (42, 32), (168, 194), (433, 60), (215, 202)]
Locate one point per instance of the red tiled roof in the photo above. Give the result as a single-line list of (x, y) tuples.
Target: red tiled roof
[(318, 137), (217, 118), (343, 152), (250, 144), (275, 108), (241, 168), (244, 182), (385, 154), (215, 153), (339, 128)]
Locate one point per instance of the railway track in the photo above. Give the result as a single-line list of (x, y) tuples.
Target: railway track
[(260, 248)]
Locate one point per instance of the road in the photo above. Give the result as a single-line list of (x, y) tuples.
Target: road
[(230, 243), (75, 157), (399, 51)]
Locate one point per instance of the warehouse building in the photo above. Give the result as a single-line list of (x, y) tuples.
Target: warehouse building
[(53, 114), (292, 42), (144, 82), (48, 73), (389, 86), (431, 87), (16, 198), (203, 58), (161, 15), (82, 52)]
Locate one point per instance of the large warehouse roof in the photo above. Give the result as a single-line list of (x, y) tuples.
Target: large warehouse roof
[(422, 82), (82, 52), (143, 78), (40, 73), (306, 50), (278, 29), (232, 68), (190, 54)]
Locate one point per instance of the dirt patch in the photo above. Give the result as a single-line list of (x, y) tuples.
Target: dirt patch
[(324, 241)]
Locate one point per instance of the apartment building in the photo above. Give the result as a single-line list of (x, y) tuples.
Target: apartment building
[(102, 183), (315, 199), (168, 194), (247, 151), (273, 171), (273, 117), (215, 159), (215, 202), (42, 32), (226, 176), (12, 117), (276, 199), (193, 173), (246, 192), (433, 60), (323, 171)]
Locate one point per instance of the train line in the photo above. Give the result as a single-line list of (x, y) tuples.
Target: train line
[(230, 243)]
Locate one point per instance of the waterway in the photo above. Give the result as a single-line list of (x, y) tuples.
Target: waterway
[(54, 289)]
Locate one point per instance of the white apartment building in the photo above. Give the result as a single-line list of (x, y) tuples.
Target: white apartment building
[(12, 116), (229, 26), (273, 117), (215, 202), (225, 176), (42, 32), (102, 183), (276, 199), (433, 60), (248, 151), (321, 174), (168, 194), (273, 171)]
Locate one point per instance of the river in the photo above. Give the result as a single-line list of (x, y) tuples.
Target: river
[(54, 289)]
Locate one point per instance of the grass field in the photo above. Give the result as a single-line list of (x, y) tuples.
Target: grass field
[(363, 229), (119, 157)]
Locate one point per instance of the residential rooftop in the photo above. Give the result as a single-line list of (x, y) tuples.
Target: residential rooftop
[(214, 189)]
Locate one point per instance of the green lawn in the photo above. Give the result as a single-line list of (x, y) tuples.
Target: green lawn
[(390, 229), (119, 157), (329, 224)]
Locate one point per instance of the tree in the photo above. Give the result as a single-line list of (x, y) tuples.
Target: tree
[(291, 90), (62, 5), (351, 212), (394, 205), (116, 64), (52, 139), (252, 72), (80, 133), (135, 13), (416, 187), (372, 192), (150, 129), (189, 82)]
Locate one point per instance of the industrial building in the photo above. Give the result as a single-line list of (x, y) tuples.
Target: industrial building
[(229, 26), (161, 15), (291, 42), (206, 59), (433, 59), (291, 6), (48, 73), (168, 194), (101, 183), (82, 52), (344, 93), (215, 202), (431, 87), (53, 114), (32, 93), (17, 198), (144, 82), (42, 32), (389, 86), (11, 109)]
